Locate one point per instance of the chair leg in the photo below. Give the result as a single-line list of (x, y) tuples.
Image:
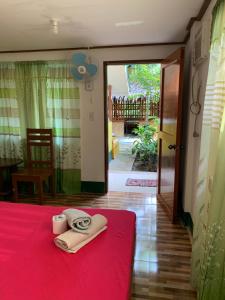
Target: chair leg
[(15, 189), (52, 185), (40, 191), (30, 188)]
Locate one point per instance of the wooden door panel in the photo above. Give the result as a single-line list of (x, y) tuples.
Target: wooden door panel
[(170, 132), (167, 175), (171, 81)]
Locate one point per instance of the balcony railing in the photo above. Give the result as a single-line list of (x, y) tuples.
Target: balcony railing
[(138, 109)]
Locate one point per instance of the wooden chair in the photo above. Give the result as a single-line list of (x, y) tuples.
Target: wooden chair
[(38, 169)]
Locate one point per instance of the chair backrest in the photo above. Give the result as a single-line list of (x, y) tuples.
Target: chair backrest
[(40, 148)]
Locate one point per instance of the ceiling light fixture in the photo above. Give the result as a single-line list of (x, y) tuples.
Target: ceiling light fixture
[(129, 23)]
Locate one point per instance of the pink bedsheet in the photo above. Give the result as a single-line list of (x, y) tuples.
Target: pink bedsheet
[(33, 268)]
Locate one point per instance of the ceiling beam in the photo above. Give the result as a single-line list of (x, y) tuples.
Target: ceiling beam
[(93, 47)]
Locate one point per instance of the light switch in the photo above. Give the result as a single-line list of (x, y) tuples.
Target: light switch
[(88, 85)]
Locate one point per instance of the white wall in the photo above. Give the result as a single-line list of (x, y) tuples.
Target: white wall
[(117, 78), (92, 103), (193, 143)]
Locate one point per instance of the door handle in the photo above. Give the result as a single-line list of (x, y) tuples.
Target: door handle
[(172, 147)]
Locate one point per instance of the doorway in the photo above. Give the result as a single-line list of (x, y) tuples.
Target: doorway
[(133, 93), (170, 133)]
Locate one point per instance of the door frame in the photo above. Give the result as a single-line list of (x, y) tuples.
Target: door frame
[(105, 79)]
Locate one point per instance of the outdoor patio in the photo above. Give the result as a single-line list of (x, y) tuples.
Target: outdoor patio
[(120, 169)]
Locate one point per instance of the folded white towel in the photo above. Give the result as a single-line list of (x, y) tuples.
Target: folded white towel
[(71, 241), (78, 220)]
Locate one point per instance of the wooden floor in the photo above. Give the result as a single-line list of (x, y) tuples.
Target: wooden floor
[(163, 250)]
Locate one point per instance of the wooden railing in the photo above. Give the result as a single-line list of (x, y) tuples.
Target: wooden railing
[(133, 109)]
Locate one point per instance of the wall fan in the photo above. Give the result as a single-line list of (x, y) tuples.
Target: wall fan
[(81, 68)]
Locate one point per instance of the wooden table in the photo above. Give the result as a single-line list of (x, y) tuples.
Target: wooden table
[(7, 165)]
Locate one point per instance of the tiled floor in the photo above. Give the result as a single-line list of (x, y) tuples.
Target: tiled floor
[(163, 250)]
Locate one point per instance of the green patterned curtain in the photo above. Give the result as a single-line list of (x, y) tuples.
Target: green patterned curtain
[(10, 135), (63, 115), (208, 259), (42, 95)]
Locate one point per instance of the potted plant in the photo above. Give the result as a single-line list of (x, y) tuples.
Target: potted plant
[(146, 145)]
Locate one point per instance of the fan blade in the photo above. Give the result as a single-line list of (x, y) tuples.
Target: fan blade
[(92, 69), (76, 75), (79, 58)]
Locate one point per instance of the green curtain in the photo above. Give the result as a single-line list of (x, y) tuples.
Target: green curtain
[(63, 115), (31, 83), (10, 135), (208, 258), (42, 95)]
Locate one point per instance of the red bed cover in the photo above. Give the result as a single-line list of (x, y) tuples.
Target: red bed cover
[(33, 268)]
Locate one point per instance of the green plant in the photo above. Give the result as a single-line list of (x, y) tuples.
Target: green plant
[(146, 144), (147, 77), (135, 96), (154, 121)]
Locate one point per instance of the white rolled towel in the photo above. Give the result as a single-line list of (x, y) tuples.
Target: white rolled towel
[(59, 224), (78, 220), (71, 241)]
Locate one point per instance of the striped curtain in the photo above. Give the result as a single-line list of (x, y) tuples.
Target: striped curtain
[(42, 95), (10, 134), (63, 115), (208, 259)]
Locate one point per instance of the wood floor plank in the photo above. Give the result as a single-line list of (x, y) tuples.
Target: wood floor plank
[(163, 250)]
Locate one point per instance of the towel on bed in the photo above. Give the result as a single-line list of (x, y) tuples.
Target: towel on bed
[(78, 220), (71, 241)]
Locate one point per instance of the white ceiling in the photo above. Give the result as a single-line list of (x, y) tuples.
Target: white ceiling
[(25, 24)]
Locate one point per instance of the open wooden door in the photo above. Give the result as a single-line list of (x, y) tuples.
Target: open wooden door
[(170, 132)]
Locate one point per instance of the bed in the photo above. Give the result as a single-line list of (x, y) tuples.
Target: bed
[(33, 268)]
